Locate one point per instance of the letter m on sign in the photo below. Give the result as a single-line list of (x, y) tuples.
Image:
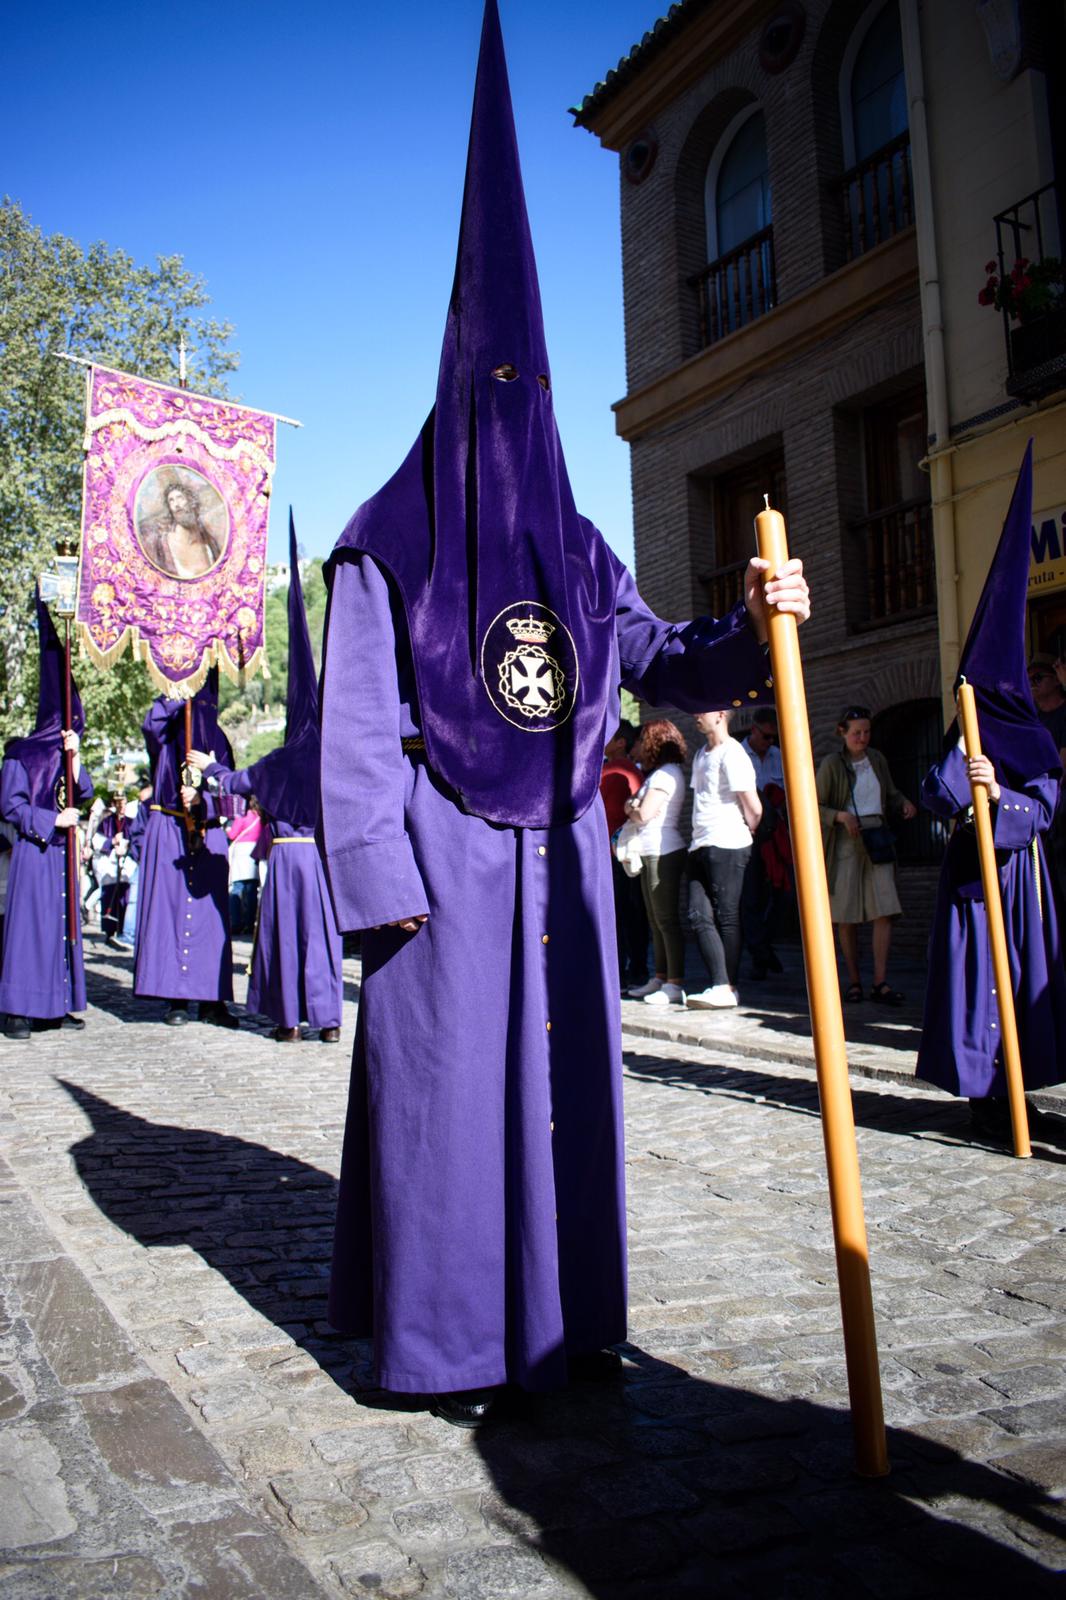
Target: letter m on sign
[(1046, 544)]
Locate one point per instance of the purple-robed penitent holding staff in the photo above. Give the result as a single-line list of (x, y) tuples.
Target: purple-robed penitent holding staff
[(477, 632), (961, 1049), (183, 944), (297, 960), (43, 973)]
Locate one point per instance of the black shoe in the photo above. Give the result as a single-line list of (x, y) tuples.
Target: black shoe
[(283, 1035), (596, 1366), (218, 1013), (177, 1013), (990, 1119), (75, 1024), (17, 1028), (465, 1408), (329, 1035)]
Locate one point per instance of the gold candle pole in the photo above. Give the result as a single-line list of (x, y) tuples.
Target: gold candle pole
[(997, 937), (827, 1023)]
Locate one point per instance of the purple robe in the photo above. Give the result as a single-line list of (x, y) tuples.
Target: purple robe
[(961, 1048), (297, 958), (481, 1223), (43, 973), (183, 946)]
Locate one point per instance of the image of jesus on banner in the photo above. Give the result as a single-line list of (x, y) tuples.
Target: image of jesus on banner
[(174, 529)]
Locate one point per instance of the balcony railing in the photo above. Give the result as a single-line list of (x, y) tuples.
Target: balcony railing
[(896, 548), (1030, 231), (878, 196), (724, 587), (736, 288)]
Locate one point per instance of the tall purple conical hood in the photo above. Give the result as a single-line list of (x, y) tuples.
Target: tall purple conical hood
[(508, 592), (286, 781), (301, 705), (994, 656), (41, 752), (164, 734)]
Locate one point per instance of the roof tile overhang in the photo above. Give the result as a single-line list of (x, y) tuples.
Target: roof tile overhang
[(681, 47)]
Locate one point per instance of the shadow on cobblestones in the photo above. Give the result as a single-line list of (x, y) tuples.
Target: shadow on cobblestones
[(671, 1486), (664, 1486), (912, 1115), (261, 1219)]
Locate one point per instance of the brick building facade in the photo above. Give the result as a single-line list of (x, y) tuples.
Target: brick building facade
[(789, 360)]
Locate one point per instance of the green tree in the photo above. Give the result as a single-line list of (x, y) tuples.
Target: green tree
[(241, 708), (100, 304)]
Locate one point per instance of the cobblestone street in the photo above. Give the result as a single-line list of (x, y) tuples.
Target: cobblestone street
[(177, 1418)]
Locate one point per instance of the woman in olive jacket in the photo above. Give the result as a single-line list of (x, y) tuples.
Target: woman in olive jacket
[(855, 794)]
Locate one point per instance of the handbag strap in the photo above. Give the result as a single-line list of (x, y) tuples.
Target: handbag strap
[(850, 775)]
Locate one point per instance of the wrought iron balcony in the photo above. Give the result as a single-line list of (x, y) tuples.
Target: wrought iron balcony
[(736, 288), (1034, 326), (878, 196), (898, 574)]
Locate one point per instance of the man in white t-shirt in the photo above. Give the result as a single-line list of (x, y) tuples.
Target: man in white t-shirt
[(725, 813)]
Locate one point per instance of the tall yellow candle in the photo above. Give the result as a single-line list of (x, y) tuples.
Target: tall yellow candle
[(827, 1022)]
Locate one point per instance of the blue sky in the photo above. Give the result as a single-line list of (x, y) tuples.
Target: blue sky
[(307, 160)]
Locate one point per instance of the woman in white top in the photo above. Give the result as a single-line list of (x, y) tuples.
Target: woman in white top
[(726, 810), (656, 808)]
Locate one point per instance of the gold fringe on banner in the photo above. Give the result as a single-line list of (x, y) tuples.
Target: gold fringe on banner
[(215, 654)]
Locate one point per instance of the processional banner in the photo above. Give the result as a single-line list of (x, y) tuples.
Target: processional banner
[(174, 530)]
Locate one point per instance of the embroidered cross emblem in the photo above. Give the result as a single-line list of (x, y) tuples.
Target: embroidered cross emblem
[(531, 681)]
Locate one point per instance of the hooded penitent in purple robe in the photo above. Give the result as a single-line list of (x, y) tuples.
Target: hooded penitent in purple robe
[(960, 1049), (183, 948), (477, 632), (43, 973), (296, 963)]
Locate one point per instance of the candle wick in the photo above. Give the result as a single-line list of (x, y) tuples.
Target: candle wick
[(766, 498)]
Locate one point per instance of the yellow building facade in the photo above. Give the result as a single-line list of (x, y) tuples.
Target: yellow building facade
[(987, 110)]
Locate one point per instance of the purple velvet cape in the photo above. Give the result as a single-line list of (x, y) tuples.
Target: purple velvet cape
[(183, 946), (481, 1224), (479, 530), (296, 971), (42, 973)]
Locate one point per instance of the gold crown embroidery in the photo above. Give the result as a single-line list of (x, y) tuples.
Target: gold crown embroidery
[(530, 630)]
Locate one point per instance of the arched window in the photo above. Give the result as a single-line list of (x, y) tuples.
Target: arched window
[(740, 278), (738, 185), (878, 89), (873, 105)]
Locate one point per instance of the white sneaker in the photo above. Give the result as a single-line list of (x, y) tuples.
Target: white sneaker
[(652, 986), (717, 998), (670, 994)]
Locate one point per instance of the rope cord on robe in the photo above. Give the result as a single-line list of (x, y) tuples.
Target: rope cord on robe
[(1035, 854)]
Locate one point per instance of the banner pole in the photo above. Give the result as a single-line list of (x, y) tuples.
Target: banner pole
[(827, 1023), (997, 937)]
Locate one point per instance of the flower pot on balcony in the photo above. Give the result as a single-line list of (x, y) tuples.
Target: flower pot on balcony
[(1038, 355)]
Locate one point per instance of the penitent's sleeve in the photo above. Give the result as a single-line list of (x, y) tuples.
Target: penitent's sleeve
[(33, 823), (370, 865), (706, 665)]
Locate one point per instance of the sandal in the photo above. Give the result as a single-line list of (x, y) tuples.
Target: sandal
[(886, 996), (853, 992)]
